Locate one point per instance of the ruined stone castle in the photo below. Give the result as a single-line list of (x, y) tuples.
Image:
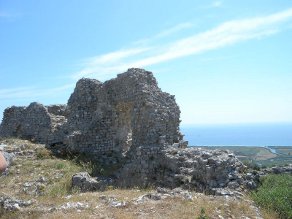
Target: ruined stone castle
[(126, 122)]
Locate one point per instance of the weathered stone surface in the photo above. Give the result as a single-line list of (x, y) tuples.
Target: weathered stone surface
[(73, 205), (13, 204), (190, 168), (120, 114), (57, 110), (34, 122), (86, 183), (102, 119), (130, 126)]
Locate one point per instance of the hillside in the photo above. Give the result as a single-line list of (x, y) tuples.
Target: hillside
[(38, 185)]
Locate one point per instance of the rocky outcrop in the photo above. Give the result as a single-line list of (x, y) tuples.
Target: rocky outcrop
[(85, 183), (129, 125), (190, 168)]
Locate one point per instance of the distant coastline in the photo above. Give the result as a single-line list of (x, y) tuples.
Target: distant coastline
[(249, 135)]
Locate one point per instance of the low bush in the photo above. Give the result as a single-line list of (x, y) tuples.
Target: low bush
[(275, 193), (251, 164)]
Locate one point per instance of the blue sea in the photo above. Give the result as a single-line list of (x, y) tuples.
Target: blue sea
[(238, 135)]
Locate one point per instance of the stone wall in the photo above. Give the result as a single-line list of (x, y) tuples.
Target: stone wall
[(190, 168), (119, 114), (126, 122), (35, 122), (111, 117)]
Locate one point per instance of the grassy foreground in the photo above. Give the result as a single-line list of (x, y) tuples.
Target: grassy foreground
[(46, 180), (275, 194)]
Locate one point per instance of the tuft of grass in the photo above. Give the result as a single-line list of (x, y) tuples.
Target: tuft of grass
[(202, 214), (275, 194), (60, 165), (43, 153), (62, 186)]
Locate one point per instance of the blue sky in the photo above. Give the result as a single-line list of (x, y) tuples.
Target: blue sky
[(225, 61)]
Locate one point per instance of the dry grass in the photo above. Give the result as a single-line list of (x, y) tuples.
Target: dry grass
[(57, 192), (169, 208)]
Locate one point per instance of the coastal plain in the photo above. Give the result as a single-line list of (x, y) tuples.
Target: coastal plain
[(263, 156)]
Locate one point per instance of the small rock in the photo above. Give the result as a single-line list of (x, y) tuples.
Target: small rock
[(12, 204), (28, 184), (74, 205), (117, 204), (68, 197), (86, 183), (42, 179)]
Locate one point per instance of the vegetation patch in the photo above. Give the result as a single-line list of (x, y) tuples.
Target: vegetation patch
[(275, 193), (43, 153)]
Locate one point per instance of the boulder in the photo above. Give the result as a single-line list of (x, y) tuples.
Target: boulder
[(86, 183)]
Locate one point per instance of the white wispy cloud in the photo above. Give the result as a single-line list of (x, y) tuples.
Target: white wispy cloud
[(115, 56), (31, 92), (165, 33), (108, 61), (225, 34), (172, 30), (19, 92)]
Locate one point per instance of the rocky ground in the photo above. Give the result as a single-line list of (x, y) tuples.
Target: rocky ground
[(38, 185)]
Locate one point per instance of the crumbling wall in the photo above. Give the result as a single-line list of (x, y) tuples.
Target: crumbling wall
[(127, 121), (119, 114), (190, 168), (57, 110), (33, 122), (116, 116)]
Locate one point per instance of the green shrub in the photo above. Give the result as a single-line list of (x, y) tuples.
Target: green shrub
[(60, 165), (251, 164), (275, 193)]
